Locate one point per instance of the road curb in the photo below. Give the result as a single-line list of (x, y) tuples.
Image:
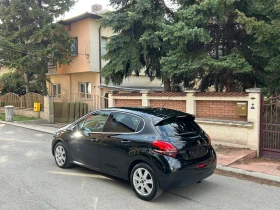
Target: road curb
[(249, 173), (30, 127)]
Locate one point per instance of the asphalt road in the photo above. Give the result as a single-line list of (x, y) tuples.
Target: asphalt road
[(30, 179)]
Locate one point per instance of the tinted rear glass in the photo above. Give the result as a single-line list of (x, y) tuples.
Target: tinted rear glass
[(177, 126)]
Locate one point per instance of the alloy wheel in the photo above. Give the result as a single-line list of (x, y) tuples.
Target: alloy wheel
[(143, 181), (60, 155)]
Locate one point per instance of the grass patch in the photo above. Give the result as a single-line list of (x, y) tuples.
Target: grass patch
[(18, 118)]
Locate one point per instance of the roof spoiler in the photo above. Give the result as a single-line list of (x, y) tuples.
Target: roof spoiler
[(188, 116)]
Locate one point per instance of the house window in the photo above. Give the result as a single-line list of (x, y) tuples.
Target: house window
[(104, 41), (57, 90), (85, 89), (74, 46)]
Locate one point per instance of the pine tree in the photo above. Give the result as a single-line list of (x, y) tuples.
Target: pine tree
[(136, 44), (266, 30), (29, 36), (209, 42), (200, 39)]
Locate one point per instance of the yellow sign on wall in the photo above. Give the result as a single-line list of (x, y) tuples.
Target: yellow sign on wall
[(37, 107)]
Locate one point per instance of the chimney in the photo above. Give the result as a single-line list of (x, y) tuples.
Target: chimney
[(96, 8)]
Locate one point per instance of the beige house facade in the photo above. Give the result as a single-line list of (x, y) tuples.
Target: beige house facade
[(83, 73)]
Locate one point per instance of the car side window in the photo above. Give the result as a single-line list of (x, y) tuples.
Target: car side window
[(95, 122), (121, 123)]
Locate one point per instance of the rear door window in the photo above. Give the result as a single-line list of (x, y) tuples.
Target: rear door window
[(122, 123), (178, 126)]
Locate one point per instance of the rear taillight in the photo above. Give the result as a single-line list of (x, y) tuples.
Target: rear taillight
[(202, 165), (209, 138), (165, 148)]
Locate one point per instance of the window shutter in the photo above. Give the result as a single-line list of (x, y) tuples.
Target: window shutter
[(58, 89)]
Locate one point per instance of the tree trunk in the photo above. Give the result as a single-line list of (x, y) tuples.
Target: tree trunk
[(26, 80), (167, 85), (229, 81), (43, 89)]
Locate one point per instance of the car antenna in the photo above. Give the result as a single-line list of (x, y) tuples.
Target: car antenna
[(164, 103)]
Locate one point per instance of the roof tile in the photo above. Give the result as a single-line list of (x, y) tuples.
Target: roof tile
[(168, 94), (220, 94), (127, 94)]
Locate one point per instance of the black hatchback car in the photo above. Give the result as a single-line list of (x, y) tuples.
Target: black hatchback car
[(154, 148)]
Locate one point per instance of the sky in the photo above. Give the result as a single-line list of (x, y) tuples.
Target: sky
[(83, 6)]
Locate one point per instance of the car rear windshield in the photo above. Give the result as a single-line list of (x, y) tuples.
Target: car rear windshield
[(178, 126)]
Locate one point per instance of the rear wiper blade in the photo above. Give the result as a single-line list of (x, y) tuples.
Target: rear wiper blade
[(186, 134)]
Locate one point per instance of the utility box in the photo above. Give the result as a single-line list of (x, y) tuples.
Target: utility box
[(9, 113), (37, 107), (241, 109)]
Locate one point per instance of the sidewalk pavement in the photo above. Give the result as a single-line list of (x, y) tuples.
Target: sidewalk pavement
[(245, 162), (230, 159), (32, 125)]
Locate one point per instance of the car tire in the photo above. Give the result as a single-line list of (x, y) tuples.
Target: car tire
[(144, 182), (61, 156)]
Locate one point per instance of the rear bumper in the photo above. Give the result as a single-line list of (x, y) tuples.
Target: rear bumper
[(189, 174)]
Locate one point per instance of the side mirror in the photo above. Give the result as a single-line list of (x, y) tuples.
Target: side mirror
[(72, 128)]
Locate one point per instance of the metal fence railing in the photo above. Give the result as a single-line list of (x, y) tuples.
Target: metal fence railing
[(71, 106), (94, 102)]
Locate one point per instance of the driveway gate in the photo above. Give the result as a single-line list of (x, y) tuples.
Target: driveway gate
[(270, 127), (69, 107)]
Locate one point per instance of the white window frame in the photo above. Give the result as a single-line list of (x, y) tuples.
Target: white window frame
[(86, 93), (57, 90), (74, 47), (104, 41)]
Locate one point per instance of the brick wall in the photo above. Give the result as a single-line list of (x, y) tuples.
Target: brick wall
[(179, 105), (212, 107), (209, 107), (128, 102), (224, 110)]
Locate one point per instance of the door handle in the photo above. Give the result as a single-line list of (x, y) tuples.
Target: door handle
[(125, 141)]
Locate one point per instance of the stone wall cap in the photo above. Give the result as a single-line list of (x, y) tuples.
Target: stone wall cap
[(225, 122), (254, 90), (192, 91), (146, 91), (9, 107)]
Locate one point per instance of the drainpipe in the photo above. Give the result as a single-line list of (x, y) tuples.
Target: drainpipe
[(100, 63)]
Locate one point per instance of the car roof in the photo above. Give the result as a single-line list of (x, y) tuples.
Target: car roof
[(156, 114)]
